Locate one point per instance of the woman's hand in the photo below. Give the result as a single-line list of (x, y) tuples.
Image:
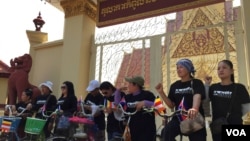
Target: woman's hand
[(208, 80), (60, 111), (29, 106), (14, 113), (159, 88), (108, 110), (87, 107), (124, 89), (192, 113), (139, 105)]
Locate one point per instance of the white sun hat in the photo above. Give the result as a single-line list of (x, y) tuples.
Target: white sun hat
[(48, 84), (93, 84)]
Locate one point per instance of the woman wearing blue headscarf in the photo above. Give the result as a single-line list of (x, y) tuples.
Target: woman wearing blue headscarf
[(186, 93)]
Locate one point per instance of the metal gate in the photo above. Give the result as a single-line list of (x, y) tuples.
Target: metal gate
[(151, 47)]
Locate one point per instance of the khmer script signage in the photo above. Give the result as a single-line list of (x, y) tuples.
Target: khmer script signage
[(112, 12)]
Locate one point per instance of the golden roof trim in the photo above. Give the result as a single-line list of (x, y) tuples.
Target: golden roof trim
[(78, 7)]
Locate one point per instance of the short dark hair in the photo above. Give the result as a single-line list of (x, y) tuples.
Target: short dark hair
[(28, 92), (107, 85)]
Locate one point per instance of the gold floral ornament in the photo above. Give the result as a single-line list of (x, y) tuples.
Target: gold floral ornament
[(246, 121)]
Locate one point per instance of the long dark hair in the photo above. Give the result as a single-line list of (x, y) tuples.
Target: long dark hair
[(230, 64), (70, 88)]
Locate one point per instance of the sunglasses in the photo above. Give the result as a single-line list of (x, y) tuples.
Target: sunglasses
[(63, 87)]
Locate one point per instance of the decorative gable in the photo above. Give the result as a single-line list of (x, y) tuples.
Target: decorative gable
[(4, 70), (201, 41)]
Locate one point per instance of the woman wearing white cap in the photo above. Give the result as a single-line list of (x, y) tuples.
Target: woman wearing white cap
[(185, 93), (96, 97), (47, 99)]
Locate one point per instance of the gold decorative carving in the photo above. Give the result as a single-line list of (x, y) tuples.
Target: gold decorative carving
[(78, 7), (200, 20), (246, 121), (201, 41)]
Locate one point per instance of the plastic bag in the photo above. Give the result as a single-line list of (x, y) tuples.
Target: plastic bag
[(63, 122)]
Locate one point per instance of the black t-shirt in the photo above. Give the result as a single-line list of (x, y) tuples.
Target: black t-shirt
[(50, 105), (221, 96), (26, 113), (98, 100), (113, 125), (69, 105), (23, 105), (142, 125), (179, 89)]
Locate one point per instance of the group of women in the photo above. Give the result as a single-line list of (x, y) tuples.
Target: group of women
[(142, 125), (188, 92), (46, 102), (193, 90)]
